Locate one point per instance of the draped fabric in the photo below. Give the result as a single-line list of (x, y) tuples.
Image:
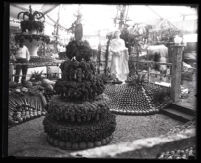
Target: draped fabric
[(119, 62), (162, 50)]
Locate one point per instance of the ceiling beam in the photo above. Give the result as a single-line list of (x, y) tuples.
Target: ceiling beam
[(47, 11), (55, 22), (154, 12), (19, 7)]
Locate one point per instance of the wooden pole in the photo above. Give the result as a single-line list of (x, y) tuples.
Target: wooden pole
[(107, 55), (99, 53), (148, 73), (57, 27), (11, 71), (177, 51)]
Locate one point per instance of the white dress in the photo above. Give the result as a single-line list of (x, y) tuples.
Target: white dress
[(119, 62)]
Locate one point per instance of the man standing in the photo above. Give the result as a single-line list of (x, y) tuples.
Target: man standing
[(22, 56)]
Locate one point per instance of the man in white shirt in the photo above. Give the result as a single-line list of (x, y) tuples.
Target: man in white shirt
[(22, 56)]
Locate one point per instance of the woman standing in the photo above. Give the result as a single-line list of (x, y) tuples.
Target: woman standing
[(22, 56), (119, 62)]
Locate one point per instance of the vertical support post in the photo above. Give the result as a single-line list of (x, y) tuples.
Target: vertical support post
[(44, 49), (177, 51), (148, 73), (99, 58), (137, 57), (47, 72), (107, 55), (11, 71), (99, 52)]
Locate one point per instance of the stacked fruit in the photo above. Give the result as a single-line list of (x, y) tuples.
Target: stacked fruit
[(159, 96), (78, 81), (48, 95), (24, 107), (77, 117), (138, 99), (186, 153), (129, 99)]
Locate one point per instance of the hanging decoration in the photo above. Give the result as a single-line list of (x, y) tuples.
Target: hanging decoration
[(31, 30), (164, 32), (31, 23)]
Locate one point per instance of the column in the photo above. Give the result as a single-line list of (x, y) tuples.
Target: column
[(177, 51)]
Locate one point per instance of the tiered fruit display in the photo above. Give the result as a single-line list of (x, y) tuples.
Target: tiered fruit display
[(77, 117), (25, 103)]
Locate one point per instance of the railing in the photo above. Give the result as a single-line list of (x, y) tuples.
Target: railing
[(176, 66), (40, 64), (175, 52), (149, 64), (32, 65)]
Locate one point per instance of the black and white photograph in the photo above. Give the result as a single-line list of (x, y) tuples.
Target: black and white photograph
[(102, 81)]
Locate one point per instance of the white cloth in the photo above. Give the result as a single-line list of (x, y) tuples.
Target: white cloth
[(23, 52), (119, 62), (163, 51)]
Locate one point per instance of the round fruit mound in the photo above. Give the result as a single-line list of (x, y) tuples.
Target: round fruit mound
[(77, 112), (131, 99), (86, 132)]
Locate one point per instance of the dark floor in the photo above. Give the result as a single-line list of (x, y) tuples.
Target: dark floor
[(29, 139)]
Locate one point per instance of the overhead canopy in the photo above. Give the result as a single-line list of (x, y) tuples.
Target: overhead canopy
[(101, 17), (16, 8)]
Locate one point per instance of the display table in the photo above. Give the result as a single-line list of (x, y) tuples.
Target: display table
[(40, 64), (33, 65)]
